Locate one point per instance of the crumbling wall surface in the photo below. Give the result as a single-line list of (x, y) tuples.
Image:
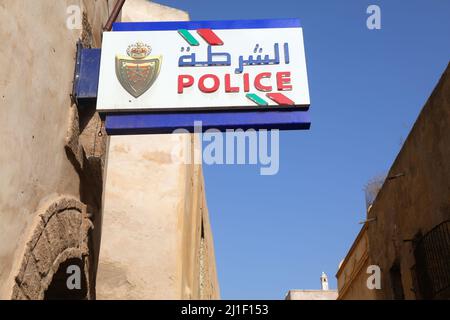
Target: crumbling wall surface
[(156, 236), (40, 157), (416, 199)]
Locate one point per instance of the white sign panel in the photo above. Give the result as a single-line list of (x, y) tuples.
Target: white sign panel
[(204, 66)]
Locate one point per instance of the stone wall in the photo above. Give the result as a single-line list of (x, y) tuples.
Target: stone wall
[(415, 196), (46, 152)]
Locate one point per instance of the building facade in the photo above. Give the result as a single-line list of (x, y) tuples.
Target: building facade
[(57, 209), (407, 233), (324, 294), (352, 274)]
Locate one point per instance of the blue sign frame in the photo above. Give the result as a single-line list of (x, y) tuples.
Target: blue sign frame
[(122, 124), (211, 24), (168, 122)]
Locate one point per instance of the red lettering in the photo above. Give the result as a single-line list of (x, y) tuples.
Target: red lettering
[(184, 84), (259, 85), (228, 87), (284, 81), (203, 88), (246, 83)]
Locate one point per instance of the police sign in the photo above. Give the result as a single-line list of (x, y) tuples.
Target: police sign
[(202, 66), (156, 77)]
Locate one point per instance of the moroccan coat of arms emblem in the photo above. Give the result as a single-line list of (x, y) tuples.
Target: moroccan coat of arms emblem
[(138, 70)]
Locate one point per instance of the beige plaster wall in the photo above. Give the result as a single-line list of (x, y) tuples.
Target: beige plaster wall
[(142, 10), (152, 245), (36, 76), (352, 274)]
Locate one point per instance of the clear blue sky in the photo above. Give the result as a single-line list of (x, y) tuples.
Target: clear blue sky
[(275, 233)]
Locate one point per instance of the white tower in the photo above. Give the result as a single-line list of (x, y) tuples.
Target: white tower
[(324, 281)]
